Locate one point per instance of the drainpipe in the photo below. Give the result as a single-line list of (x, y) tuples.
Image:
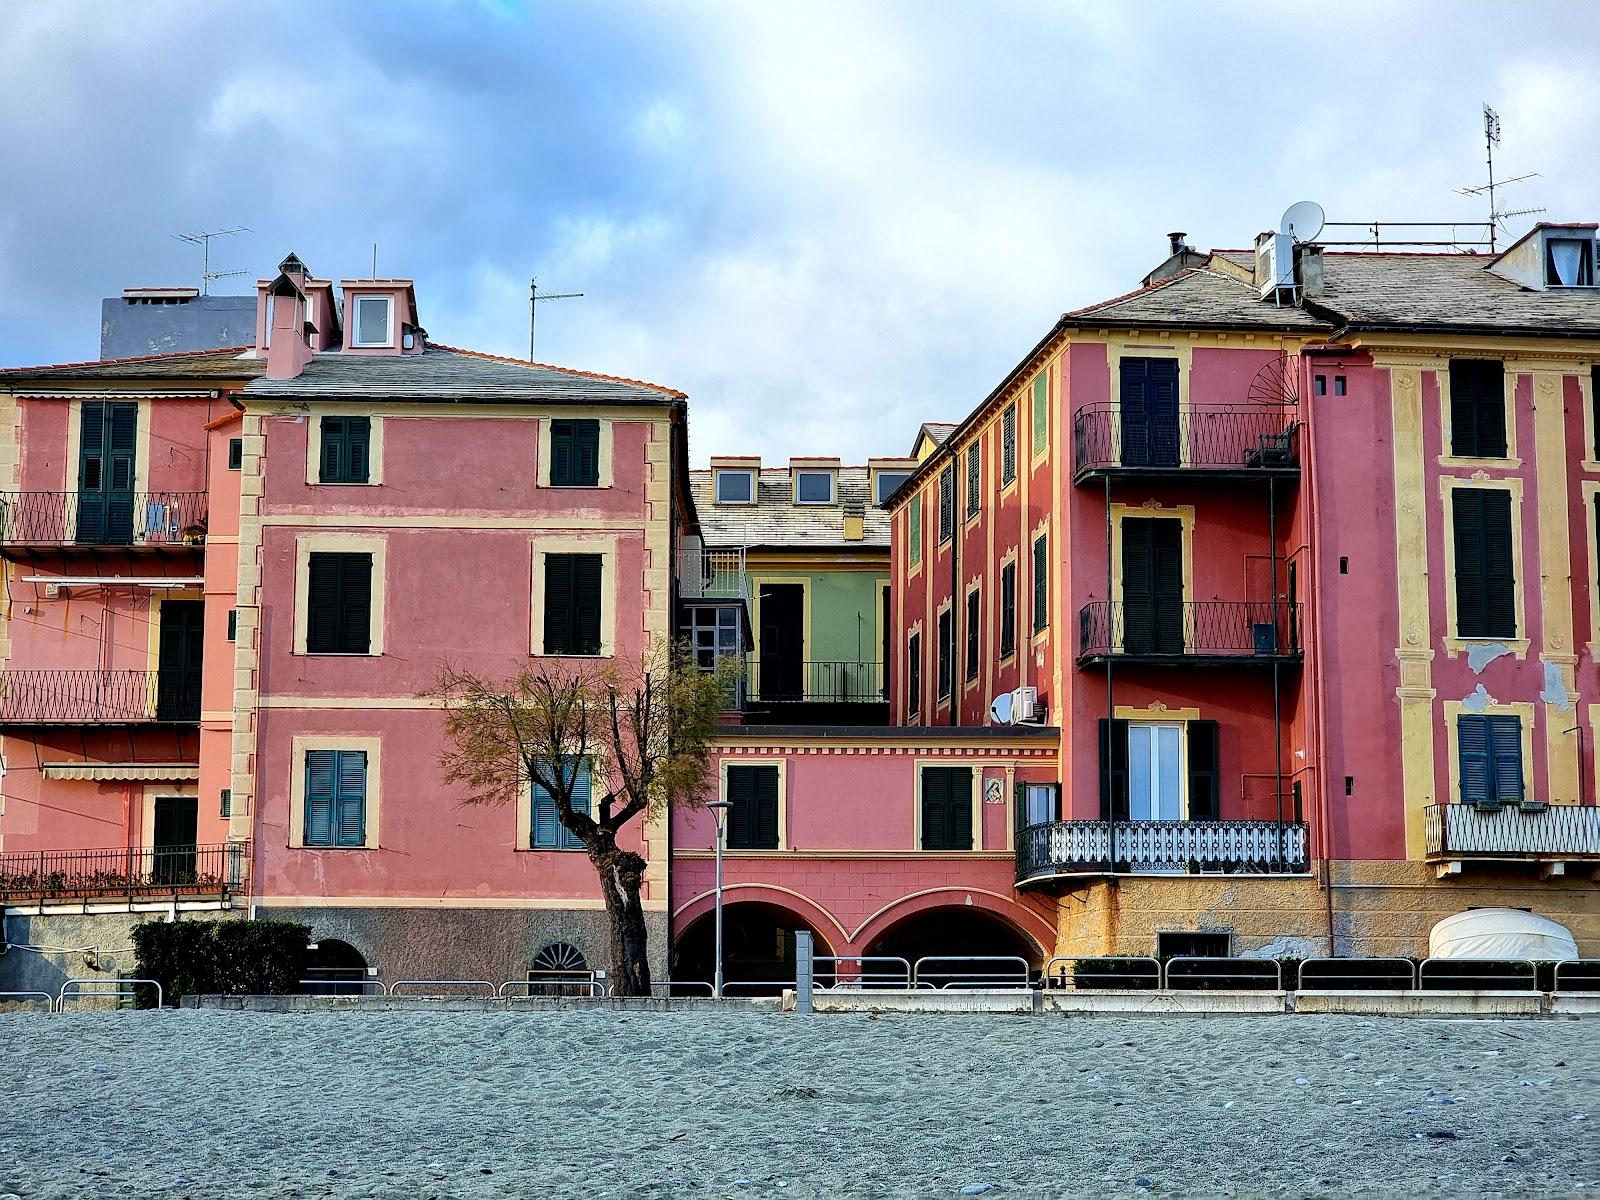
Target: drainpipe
[(1111, 708), (957, 604), (1308, 474), (1277, 695)]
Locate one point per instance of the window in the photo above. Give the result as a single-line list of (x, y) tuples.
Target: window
[(1008, 609), (233, 624), (813, 487), (1159, 771), (1041, 413), (946, 808), (346, 449), (225, 808), (339, 604), (947, 503), (888, 481), (1490, 759), (974, 479), (753, 815), (1191, 945), (736, 487), (235, 454), (1040, 804), (1041, 583), (548, 833), (336, 798), (713, 634), (1319, 385), (944, 655), (914, 674), (1008, 445), (1477, 409), (974, 608), (1568, 262), (1594, 403), (1339, 385), (372, 321), (572, 584), (1486, 578), (574, 453), (914, 529)]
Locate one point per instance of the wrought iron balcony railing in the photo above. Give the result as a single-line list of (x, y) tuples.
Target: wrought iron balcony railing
[(1243, 439), (65, 697), (1528, 831), (127, 873), (712, 574), (134, 519), (1195, 631), (1162, 847), (776, 681)]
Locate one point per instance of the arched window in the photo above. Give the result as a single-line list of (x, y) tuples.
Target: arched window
[(559, 970)]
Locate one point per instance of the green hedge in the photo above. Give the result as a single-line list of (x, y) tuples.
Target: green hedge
[(230, 958)]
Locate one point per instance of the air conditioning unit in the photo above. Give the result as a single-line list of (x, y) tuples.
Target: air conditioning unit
[(1024, 705)]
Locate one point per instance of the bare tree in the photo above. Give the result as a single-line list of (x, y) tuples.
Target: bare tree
[(645, 728)]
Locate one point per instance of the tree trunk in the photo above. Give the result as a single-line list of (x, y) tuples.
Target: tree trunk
[(621, 880)]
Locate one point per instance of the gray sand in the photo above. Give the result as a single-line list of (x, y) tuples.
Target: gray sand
[(212, 1104)]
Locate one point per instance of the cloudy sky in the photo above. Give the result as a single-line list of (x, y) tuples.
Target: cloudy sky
[(825, 222)]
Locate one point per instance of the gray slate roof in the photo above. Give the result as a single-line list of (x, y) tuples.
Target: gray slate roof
[(446, 373), (201, 365), (775, 521), (1197, 298), (938, 432)]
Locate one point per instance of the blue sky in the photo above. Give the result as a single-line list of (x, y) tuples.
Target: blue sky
[(825, 222)]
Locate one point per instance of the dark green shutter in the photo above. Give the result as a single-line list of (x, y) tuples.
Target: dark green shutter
[(1148, 412), (753, 815), (586, 584), (974, 479), (914, 674), (1472, 741), (1485, 564), (320, 774), (572, 596), (235, 454), (332, 450), (1008, 609), (339, 606), (352, 797), (960, 808), (1204, 775), (935, 808), (1477, 409), (574, 453), (355, 622), (944, 653), (558, 572), (322, 605), (1505, 758), (1041, 583), (1113, 770), (1152, 585), (346, 449), (974, 615)]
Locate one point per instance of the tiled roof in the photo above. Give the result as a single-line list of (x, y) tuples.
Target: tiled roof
[(448, 373), (187, 364), (776, 521), (938, 431), (1197, 298)]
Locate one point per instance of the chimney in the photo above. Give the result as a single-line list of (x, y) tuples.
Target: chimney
[(1175, 241), (1308, 269), (855, 520), (288, 351)]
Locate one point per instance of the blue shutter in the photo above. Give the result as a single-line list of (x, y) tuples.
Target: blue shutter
[(1505, 756), (1472, 740), (319, 797), (548, 831), (352, 797), (582, 801)]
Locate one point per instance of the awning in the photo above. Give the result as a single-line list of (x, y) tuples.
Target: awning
[(126, 772)]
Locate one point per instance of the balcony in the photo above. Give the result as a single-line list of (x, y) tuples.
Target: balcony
[(62, 697), (779, 682), (1162, 848), (1229, 443), (145, 521), (1552, 835), (127, 874), (712, 574), (1192, 633)]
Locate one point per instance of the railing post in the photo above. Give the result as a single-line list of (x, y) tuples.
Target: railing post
[(804, 971)]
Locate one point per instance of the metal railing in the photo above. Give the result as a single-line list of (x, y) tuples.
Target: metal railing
[(1084, 973), (337, 981), (1512, 831), (103, 874), (972, 971), (1197, 972), (7, 998), (1587, 971), (1243, 437), (1195, 629), (554, 982), (712, 574), (109, 519), (119, 990), (780, 682), (1477, 974), (858, 972), (1165, 847), (487, 986), (71, 697), (1358, 974)]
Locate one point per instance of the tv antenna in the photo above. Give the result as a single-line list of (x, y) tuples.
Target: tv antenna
[(203, 240), (534, 300), (1491, 139)]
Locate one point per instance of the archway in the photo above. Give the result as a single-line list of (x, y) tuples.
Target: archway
[(334, 968), (956, 932), (758, 949)]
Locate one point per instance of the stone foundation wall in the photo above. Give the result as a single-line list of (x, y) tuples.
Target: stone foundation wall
[(77, 945)]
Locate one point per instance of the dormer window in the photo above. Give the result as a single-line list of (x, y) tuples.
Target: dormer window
[(374, 316), (887, 482), (736, 487), (1568, 262), (813, 487)]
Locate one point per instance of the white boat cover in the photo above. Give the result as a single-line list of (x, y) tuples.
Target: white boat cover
[(1501, 933)]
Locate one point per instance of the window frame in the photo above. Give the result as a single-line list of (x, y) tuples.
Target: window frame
[(372, 747), (388, 342), (236, 454), (528, 812), (551, 432), (974, 808), (1586, 262), (721, 473), (1006, 613), (376, 545), (833, 488), (880, 497), (779, 769), (342, 438)]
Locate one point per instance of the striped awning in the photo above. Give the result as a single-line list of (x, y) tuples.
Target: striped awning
[(128, 772)]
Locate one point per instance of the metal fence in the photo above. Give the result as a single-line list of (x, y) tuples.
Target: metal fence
[(1178, 629), (68, 697), (1164, 847), (773, 681), (1512, 831), (712, 574), (103, 519), (103, 874), (1226, 438)]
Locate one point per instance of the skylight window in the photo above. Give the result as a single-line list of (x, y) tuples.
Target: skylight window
[(813, 487), (736, 487), (888, 481)]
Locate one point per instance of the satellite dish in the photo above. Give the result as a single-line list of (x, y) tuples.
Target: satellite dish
[(1303, 221), (1000, 709)]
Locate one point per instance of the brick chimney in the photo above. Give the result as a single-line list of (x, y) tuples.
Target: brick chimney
[(283, 320)]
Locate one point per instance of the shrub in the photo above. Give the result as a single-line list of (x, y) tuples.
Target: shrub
[(230, 958), (1105, 974)]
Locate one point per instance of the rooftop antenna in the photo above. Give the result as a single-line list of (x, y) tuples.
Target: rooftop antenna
[(203, 240), (534, 300), (1491, 139)]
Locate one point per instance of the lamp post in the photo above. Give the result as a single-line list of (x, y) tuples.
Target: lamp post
[(718, 808)]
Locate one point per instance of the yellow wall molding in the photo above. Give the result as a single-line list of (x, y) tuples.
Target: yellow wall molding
[(1414, 653)]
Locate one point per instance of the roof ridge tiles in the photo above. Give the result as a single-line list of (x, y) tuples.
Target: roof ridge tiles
[(520, 362)]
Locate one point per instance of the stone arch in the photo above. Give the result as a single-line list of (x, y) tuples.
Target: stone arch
[(1036, 934), (760, 946)]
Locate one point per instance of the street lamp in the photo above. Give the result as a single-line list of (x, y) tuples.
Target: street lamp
[(718, 808)]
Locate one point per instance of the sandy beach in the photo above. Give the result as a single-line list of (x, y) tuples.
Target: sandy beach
[(398, 1105)]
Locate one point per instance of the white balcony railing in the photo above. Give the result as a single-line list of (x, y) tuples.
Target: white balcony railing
[(1220, 847), (1513, 831), (712, 574)]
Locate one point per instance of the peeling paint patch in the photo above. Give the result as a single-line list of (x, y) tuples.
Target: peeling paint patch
[(1286, 947), (1555, 688), (1481, 654), (1478, 701)]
